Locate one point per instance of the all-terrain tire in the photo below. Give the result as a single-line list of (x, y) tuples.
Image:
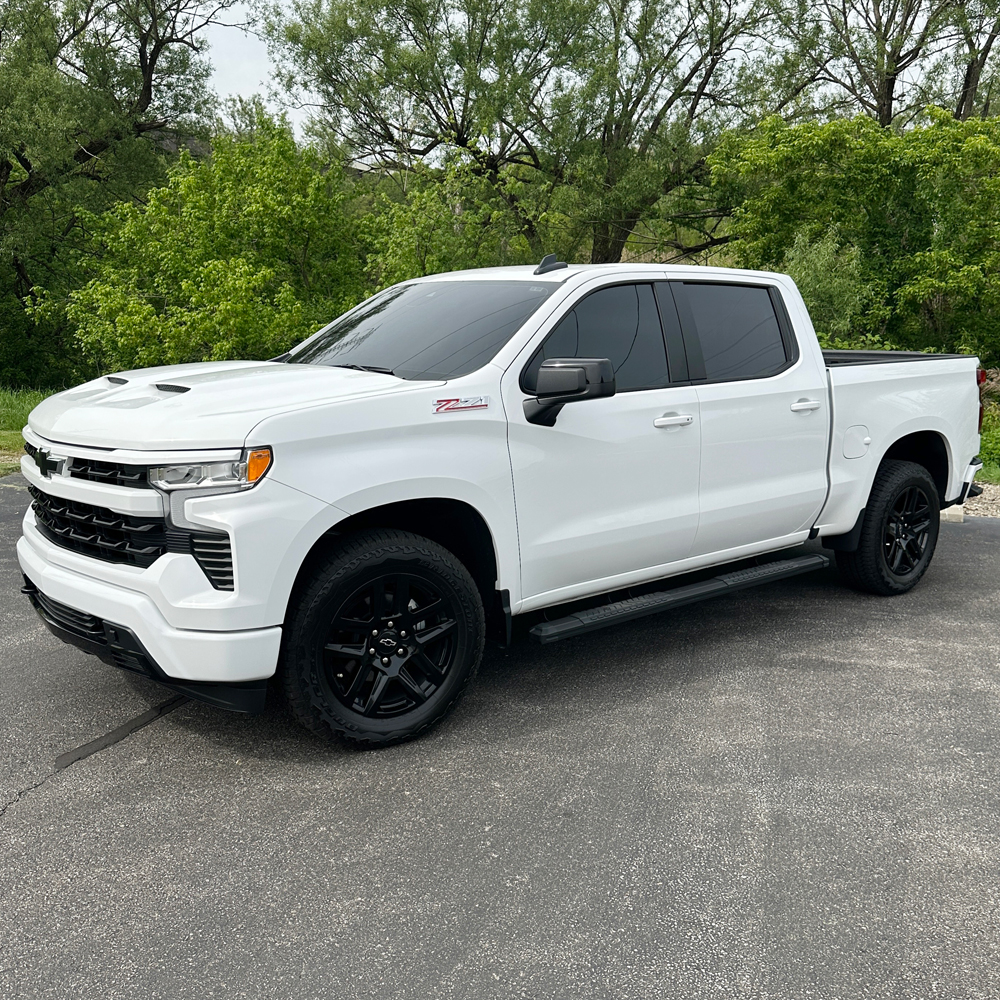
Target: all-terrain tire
[(387, 608), (899, 532)]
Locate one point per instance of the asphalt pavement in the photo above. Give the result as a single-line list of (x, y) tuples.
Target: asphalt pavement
[(790, 792)]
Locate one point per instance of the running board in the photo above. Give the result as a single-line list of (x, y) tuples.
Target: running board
[(663, 600)]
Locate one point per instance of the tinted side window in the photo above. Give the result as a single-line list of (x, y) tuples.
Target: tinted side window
[(737, 329), (620, 323)]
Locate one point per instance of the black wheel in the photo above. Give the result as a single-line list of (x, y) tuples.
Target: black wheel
[(383, 641), (899, 533)]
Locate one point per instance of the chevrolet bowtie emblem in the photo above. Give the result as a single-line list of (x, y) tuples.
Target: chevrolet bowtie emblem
[(46, 464)]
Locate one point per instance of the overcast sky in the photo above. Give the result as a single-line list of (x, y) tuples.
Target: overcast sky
[(240, 62)]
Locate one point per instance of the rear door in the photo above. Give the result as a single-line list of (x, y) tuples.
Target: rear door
[(764, 415), (612, 488)]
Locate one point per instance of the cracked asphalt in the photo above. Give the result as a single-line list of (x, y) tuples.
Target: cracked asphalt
[(789, 792)]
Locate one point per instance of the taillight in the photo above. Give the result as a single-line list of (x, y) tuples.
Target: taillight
[(980, 382)]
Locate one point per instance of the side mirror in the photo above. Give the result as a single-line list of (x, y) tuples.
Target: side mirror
[(565, 380)]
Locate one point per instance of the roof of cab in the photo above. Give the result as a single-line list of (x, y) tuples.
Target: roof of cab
[(526, 272)]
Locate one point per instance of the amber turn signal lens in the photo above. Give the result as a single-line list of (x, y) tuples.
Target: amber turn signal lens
[(258, 462)]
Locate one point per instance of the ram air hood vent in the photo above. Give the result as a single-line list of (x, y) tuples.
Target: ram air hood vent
[(211, 405)]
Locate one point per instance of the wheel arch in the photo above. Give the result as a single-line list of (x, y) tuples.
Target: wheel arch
[(928, 449), (454, 524)]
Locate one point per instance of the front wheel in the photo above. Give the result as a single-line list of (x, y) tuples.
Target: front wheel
[(899, 532), (384, 639)]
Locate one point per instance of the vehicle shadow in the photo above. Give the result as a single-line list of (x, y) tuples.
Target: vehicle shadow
[(526, 689)]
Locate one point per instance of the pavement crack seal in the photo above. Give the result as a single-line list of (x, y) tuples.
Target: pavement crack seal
[(117, 735), (101, 743)]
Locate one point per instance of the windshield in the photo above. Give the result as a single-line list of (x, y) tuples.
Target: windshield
[(427, 330)]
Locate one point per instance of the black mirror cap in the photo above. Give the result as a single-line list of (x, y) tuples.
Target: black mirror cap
[(565, 380)]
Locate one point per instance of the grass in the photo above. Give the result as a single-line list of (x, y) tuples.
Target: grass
[(15, 405)]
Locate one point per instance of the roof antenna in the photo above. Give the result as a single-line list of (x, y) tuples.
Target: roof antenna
[(549, 263)]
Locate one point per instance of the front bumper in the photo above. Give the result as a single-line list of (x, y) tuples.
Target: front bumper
[(120, 647), (182, 655)]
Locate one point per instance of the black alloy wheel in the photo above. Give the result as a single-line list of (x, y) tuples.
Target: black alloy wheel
[(383, 639), (899, 531), (907, 532), (390, 646)]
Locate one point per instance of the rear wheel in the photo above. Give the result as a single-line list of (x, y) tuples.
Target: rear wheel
[(384, 640), (899, 533)]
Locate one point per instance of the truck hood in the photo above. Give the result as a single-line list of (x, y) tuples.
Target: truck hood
[(210, 405)]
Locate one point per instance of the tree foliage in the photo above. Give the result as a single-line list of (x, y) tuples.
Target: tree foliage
[(94, 94), (238, 256), (920, 208)]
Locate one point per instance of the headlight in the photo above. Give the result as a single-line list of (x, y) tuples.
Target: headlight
[(239, 475)]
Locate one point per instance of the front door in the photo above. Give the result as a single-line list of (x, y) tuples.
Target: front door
[(611, 490)]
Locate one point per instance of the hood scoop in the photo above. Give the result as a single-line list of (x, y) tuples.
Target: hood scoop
[(167, 387)]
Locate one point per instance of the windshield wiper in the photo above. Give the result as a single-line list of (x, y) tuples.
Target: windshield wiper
[(367, 368)]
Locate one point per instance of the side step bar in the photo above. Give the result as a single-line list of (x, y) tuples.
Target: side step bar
[(663, 600)]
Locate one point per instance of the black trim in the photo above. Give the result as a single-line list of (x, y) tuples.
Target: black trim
[(98, 532), (110, 473), (673, 339), (119, 647), (847, 542), (835, 359), (692, 342), (550, 263), (650, 604)]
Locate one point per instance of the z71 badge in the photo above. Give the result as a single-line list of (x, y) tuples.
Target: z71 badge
[(468, 403)]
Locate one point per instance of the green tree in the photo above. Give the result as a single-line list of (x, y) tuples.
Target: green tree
[(93, 97), (920, 208), (239, 255), (598, 110)]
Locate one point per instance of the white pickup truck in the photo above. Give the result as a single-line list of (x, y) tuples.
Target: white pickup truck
[(463, 448)]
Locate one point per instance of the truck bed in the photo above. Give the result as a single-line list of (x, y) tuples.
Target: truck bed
[(836, 358)]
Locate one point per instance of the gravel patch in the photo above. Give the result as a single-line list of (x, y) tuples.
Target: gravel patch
[(987, 504)]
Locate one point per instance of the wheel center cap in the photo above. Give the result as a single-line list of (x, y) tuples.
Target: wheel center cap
[(387, 643)]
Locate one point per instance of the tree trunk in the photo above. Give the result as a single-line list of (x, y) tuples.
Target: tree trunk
[(610, 239), (884, 98)]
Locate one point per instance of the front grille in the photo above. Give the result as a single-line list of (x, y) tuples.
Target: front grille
[(110, 473), (122, 538), (99, 532)]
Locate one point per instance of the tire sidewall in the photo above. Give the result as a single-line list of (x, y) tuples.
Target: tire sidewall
[(311, 624), (914, 476)]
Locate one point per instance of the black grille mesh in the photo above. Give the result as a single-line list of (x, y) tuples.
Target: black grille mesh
[(110, 473), (122, 538), (99, 532)]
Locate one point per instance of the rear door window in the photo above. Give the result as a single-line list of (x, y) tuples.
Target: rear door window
[(736, 328), (620, 323)]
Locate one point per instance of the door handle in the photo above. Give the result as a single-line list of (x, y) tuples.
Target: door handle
[(805, 404), (674, 420)]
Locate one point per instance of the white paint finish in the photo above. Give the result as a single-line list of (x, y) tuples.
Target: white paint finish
[(226, 399), (856, 441), (894, 400), (763, 470), (603, 492), (130, 456), (607, 498), (271, 528), (662, 572), (224, 657), (369, 452)]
